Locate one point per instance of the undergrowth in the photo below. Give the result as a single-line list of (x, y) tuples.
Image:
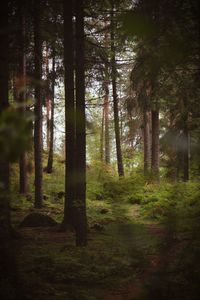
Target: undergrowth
[(119, 245)]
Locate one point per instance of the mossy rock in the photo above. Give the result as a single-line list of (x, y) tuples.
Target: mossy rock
[(104, 211), (38, 220), (99, 197), (97, 227)]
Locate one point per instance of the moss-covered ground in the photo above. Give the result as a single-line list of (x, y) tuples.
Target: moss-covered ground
[(143, 241)]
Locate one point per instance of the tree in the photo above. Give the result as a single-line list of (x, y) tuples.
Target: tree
[(115, 97), (80, 152), (146, 141), (38, 139), (155, 144), (47, 96), (23, 179), (69, 114), (75, 167), (7, 262), (51, 121), (106, 101)]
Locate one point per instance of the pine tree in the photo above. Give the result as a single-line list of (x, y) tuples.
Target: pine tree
[(38, 138)]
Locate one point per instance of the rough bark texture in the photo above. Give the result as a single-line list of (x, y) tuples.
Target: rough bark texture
[(147, 142), (38, 106), (115, 98), (80, 205), (51, 125), (155, 144), (69, 114)]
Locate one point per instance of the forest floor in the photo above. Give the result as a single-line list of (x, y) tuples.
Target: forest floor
[(137, 249), (121, 260)]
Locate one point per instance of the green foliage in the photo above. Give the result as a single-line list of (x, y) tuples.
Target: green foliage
[(181, 200), (15, 132), (97, 175), (125, 189), (178, 207)]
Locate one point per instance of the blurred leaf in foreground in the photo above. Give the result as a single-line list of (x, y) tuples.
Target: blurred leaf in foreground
[(15, 133)]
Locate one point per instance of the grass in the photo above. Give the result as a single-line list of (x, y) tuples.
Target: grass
[(81, 273), (131, 214)]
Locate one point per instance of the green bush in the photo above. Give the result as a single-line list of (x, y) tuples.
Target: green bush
[(162, 200)]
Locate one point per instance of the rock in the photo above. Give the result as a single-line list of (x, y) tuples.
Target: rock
[(97, 227), (99, 197), (45, 197), (38, 220), (60, 195), (29, 197), (104, 211)]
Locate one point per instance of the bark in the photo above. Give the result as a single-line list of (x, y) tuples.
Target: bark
[(80, 204), (155, 145), (23, 178), (102, 137), (147, 142), (173, 152), (115, 98), (106, 105), (186, 155), (38, 106), (48, 101), (51, 125), (106, 116), (186, 143), (68, 220)]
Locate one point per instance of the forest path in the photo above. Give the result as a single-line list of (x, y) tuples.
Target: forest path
[(146, 247), (157, 262)]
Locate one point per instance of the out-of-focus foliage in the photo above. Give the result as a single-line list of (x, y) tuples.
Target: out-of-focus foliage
[(15, 133)]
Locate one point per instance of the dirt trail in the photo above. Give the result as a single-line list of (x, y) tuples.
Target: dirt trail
[(134, 290)]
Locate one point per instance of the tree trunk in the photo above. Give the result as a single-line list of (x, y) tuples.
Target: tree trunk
[(106, 115), (155, 145), (102, 137), (115, 98), (186, 142), (48, 101), (8, 278), (106, 102), (4, 163), (51, 125), (80, 204), (68, 220), (23, 179), (38, 106), (147, 142), (186, 155)]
